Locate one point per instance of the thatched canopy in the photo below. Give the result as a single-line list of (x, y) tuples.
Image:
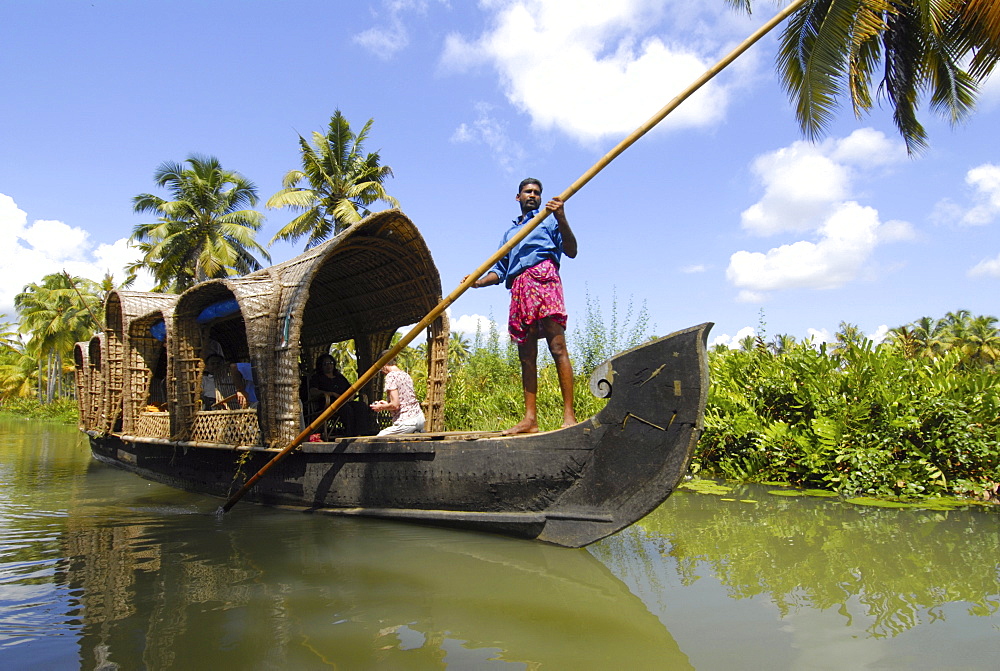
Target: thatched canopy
[(376, 276), (363, 285)]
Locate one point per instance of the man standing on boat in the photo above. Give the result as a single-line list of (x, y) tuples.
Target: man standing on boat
[(537, 307)]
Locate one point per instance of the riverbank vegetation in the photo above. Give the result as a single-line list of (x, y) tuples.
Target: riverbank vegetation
[(918, 415)]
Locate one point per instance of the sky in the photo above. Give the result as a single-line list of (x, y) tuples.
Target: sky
[(722, 213)]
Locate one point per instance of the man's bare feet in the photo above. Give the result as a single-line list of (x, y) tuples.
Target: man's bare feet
[(524, 426)]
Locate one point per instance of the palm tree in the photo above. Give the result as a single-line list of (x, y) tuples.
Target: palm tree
[(17, 373), (205, 230), (848, 336), (782, 343), (944, 47), (56, 313), (904, 338), (9, 339), (458, 350), (347, 361), (930, 337), (980, 343), (342, 182), (956, 326)]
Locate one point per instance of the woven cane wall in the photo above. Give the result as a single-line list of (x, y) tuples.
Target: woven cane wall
[(81, 371), (114, 358), (188, 348), (97, 414), (285, 409), (123, 358), (243, 335), (143, 353), (437, 373), (258, 307)]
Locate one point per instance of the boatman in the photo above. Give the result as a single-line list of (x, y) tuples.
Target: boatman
[(537, 308)]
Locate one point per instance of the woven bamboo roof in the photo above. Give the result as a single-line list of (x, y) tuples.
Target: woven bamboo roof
[(376, 276)]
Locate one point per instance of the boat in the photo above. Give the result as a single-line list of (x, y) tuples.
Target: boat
[(139, 389)]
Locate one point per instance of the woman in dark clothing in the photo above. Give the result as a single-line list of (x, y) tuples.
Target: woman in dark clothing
[(326, 384)]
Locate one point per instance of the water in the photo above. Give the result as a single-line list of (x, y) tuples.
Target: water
[(100, 569)]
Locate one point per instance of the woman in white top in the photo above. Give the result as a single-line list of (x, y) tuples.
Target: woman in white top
[(407, 417)]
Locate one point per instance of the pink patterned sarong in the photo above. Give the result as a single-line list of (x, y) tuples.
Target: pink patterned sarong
[(536, 293)]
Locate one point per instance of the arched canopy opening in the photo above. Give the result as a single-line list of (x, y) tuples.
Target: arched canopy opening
[(121, 308), (81, 369), (362, 286), (208, 320), (98, 412)]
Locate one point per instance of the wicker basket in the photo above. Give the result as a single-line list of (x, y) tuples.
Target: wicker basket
[(152, 425)]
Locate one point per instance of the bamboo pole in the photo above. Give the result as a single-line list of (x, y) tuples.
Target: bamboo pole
[(505, 249)]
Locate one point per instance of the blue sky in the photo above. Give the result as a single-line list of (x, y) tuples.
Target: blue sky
[(724, 213)]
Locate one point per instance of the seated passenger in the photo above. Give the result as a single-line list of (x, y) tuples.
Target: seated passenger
[(246, 389), (407, 417), (217, 386), (326, 385)]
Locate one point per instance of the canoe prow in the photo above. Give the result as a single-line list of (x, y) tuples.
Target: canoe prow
[(654, 417)]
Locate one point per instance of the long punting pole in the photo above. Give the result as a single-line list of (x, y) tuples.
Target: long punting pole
[(500, 253)]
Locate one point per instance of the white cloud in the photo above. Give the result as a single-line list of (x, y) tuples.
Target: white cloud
[(984, 181), (846, 241), (804, 180), (881, 333), (391, 34), (989, 93), (46, 247), (492, 132), (733, 342), (809, 190), (468, 324), (819, 336), (986, 268), (593, 68), (694, 268)]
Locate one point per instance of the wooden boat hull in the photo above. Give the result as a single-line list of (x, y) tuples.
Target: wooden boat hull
[(569, 487)]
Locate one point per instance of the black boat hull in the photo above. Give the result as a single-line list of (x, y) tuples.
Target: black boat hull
[(570, 487)]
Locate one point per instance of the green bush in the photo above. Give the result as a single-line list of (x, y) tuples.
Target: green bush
[(60, 410), (865, 420)]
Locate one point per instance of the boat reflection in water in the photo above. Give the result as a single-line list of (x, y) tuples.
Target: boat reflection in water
[(161, 586)]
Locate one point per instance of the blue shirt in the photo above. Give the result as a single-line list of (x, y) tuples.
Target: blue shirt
[(544, 242), (251, 389)]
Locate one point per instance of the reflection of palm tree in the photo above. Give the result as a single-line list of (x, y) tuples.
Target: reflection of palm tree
[(892, 568), (206, 230), (830, 47), (342, 183)]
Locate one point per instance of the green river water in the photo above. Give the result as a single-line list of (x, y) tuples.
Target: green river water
[(100, 569)]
